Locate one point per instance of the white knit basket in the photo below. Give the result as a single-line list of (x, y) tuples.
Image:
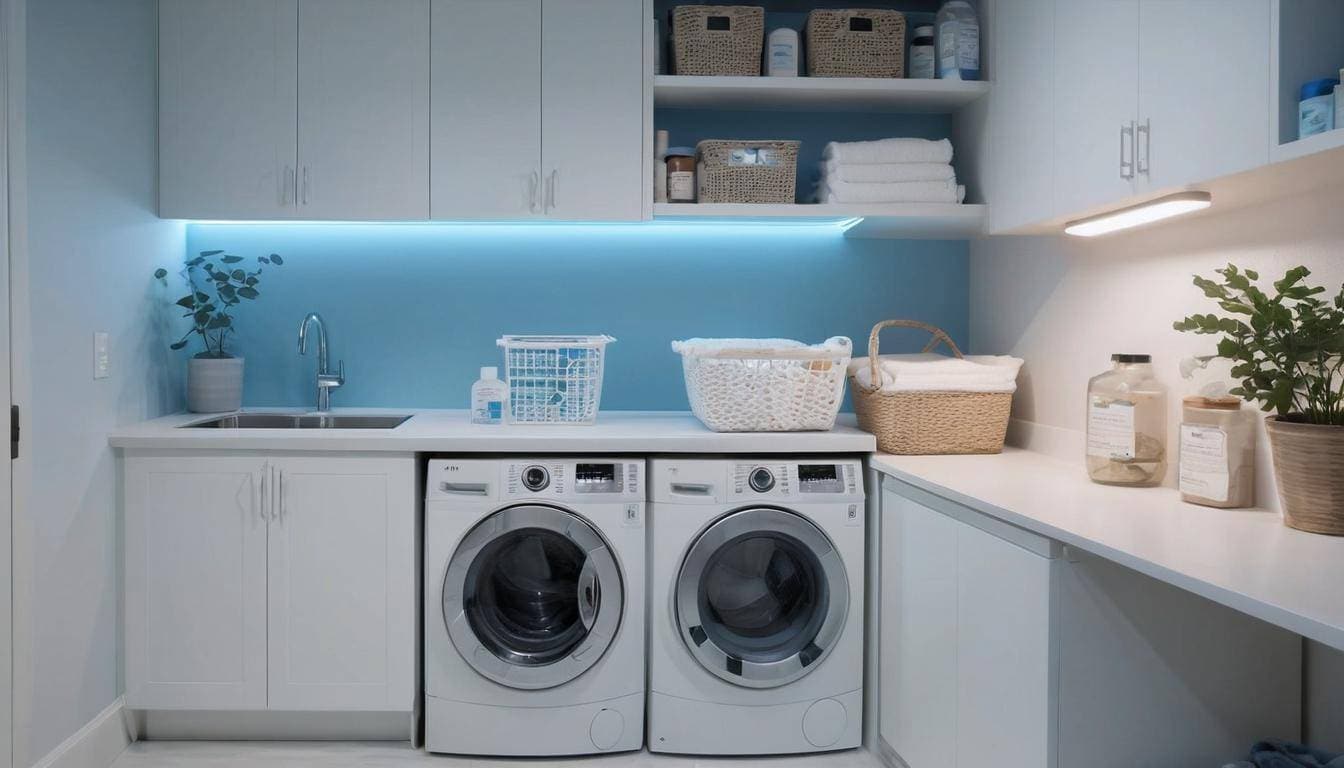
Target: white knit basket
[(764, 385)]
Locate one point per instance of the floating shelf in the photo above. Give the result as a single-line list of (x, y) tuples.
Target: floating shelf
[(1308, 146), (819, 94), (916, 221)]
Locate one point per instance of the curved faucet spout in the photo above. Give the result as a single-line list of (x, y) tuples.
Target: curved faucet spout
[(326, 380)]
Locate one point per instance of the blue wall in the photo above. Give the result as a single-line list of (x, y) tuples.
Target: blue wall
[(414, 310)]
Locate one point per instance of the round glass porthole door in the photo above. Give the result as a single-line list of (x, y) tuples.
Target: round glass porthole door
[(532, 597), (761, 597)]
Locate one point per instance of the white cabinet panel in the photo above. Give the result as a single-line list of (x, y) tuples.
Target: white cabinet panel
[(342, 585), (1200, 133), (486, 110), (364, 109), (1020, 167), (1096, 90), (593, 109), (228, 78), (195, 581)]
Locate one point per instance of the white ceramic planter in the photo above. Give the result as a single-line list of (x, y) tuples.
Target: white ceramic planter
[(214, 385)]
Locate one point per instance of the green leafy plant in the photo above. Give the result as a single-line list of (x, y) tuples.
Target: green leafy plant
[(1287, 348), (214, 293)]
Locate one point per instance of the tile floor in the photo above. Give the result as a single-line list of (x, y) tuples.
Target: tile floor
[(216, 754)]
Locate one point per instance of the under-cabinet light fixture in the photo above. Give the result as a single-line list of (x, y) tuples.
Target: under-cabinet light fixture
[(1167, 207)]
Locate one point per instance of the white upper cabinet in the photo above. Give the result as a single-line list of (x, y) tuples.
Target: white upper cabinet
[(486, 110), (363, 120), (228, 79), (593, 107), (1199, 129)]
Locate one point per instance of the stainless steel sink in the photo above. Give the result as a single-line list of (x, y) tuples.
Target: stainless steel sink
[(298, 421)]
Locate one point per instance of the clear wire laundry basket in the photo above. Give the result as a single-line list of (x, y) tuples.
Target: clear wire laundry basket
[(554, 379)]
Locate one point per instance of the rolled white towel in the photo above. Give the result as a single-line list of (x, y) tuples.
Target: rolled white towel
[(887, 172), (830, 191), (889, 151), (940, 373)]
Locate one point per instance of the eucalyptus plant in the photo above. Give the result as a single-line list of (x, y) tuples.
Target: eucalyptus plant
[(214, 293), (1287, 348)]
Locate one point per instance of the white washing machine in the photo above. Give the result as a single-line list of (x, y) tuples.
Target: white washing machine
[(756, 605), (534, 606)]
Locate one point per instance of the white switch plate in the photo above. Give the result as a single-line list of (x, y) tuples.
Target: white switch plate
[(101, 361)]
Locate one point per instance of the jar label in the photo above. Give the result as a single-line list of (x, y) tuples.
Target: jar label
[(1204, 470), (681, 186), (1110, 429)]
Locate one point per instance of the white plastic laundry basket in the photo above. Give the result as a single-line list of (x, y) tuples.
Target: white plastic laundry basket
[(765, 385), (554, 379)]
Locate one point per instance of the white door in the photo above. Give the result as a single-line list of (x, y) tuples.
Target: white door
[(1200, 133), (364, 109), (342, 585), (228, 76), (485, 110), (1096, 101), (195, 602), (1021, 162), (593, 109)]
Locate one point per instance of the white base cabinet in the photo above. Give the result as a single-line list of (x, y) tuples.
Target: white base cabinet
[(270, 582), (999, 647)]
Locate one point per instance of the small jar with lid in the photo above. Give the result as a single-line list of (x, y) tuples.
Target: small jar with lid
[(1127, 424), (923, 57), (1217, 466), (681, 175)]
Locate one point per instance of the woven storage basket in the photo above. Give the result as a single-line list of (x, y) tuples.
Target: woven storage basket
[(1309, 471), (717, 39), (929, 422), (855, 43), (746, 171), (767, 388)]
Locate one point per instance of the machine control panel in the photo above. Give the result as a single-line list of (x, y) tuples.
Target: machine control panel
[(535, 478), (785, 480)]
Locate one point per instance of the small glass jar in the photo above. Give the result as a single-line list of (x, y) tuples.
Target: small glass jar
[(1127, 424), (1217, 466), (681, 175)]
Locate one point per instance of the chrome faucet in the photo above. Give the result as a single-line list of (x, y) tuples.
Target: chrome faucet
[(326, 380)]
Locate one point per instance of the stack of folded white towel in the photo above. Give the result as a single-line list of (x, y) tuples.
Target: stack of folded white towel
[(929, 372), (889, 171)]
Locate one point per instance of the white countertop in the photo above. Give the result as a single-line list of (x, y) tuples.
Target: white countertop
[(1245, 559), (452, 432)]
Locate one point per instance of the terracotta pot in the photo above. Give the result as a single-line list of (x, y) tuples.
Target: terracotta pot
[(214, 385), (1309, 470)]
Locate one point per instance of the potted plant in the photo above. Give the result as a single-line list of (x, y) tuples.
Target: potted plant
[(214, 375), (1287, 350)]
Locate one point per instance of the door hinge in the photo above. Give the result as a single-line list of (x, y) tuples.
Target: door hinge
[(13, 432)]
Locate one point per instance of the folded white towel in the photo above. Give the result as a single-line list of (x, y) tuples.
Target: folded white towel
[(830, 191), (889, 151), (887, 172), (939, 373)]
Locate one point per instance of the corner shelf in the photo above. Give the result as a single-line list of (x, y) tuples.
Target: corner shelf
[(818, 94), (915, 221)]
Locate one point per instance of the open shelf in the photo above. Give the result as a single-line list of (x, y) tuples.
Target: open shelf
[(916, 221), (1308, 146), (816, 94)]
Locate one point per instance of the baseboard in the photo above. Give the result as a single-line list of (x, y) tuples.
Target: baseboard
[(267, 725), (96, 745)]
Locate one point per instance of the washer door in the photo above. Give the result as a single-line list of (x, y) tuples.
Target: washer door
[(532, 597), (761, 597)]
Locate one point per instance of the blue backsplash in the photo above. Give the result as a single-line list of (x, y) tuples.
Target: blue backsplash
[(414, 310)]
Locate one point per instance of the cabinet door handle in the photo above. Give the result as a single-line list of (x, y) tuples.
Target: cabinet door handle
[(1143, 158), (264, 502), (281, 517), (550, 189), (1127, 165), (305, 185), (533, 187)]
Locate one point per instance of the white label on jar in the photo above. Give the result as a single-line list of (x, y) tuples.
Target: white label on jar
[(1110, 429), (681, 186), (922, 62), (1204, 462), (947, 48), (968, 48)]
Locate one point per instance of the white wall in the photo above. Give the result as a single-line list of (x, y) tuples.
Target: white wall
[(92, 241), (1066, 304)]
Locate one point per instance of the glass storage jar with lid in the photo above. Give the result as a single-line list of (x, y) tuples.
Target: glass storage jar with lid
[(1127, 424), (1217, 467)]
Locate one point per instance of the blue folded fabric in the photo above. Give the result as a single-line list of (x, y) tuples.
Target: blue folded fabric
[(1285, 754)]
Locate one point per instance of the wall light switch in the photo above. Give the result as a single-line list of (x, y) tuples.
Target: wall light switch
[(101, 356)]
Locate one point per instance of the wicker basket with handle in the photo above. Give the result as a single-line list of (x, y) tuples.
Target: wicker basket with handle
[(929, 422), (718, 39), (746, 171), (855, 43)]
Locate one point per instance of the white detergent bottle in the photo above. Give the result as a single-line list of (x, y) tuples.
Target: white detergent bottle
[(488, 397)]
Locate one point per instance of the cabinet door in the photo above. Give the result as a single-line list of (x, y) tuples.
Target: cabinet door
[(364, 109), (1200, 133), (195, 611), (485, 110), (593, 109), (228, 79), (342, 585), (1096, 96), (1020, 167)]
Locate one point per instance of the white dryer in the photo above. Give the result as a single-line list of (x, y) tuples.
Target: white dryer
[(756, 605), (534, 606)]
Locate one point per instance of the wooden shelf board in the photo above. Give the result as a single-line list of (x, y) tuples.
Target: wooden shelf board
[(824, 94)]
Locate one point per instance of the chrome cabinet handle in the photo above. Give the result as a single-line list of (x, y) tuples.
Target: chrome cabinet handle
[(287, 186), (1143, 159), (1127, 165), (263, 502), (305, 185), (550, 189), (281, 492), (533, 186)]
